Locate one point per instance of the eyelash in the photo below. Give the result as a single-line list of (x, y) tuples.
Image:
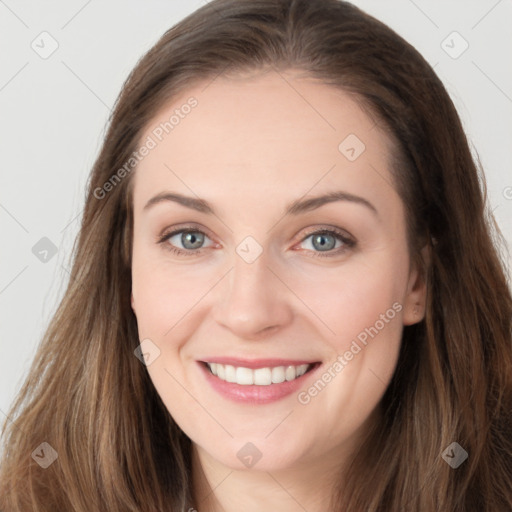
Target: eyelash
[(348, 242)]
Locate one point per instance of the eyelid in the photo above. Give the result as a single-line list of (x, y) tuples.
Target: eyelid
[(327, 229), (168, 233), (348, 240)]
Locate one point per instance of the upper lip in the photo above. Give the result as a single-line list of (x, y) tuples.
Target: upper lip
[(256, 363)]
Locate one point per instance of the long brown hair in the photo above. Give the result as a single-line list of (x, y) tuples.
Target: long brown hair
[(91, 399)]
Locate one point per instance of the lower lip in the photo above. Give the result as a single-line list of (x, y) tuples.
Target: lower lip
[(255, 394)]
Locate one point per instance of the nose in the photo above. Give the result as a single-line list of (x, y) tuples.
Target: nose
[(253, 301)]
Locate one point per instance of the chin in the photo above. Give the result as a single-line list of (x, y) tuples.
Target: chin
[(256, 454)]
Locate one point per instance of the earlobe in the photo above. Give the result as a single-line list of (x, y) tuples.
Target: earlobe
[(415, 302)]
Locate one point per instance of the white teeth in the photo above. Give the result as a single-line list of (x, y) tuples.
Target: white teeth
[(260, 376), (244, 376), (263, 376), (230, 373), (290, 373), (278, 375), (302, 369)]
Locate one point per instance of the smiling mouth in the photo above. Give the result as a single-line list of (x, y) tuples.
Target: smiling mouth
[(260, 376)]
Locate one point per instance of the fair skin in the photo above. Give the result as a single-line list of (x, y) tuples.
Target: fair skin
[(249, 148)]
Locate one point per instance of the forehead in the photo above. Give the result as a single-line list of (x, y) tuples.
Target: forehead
[(262, 135)]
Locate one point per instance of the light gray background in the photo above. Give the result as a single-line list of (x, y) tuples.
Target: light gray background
[(53, 113)]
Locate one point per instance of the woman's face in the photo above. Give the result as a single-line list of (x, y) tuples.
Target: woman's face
[(271, 280)]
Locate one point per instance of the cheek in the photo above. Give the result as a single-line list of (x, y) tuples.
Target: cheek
[(164, 292), (343, 300), (361, 306), (363, 309), (351, 298)]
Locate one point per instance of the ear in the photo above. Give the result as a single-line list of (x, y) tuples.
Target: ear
[(132, 302), (415, 300)]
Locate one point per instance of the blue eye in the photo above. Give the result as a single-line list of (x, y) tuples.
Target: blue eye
[(191, 239), (323, 241)]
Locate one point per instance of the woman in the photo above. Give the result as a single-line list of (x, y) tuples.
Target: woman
[(286, 290)]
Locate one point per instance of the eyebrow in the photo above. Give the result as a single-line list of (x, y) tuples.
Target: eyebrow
[(295, 208)]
